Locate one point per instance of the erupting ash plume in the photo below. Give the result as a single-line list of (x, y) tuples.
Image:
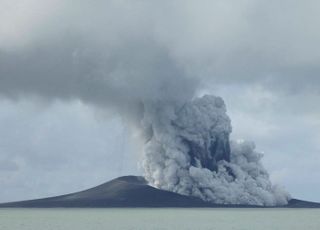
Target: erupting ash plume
[(146, 62), (188, 151), (187, 148)]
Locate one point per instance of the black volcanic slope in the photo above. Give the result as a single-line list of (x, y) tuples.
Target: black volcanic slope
[(128, 191), (131, 191)]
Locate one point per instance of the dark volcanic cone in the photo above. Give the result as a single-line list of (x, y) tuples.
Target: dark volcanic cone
[(132, 191), (127, 191)]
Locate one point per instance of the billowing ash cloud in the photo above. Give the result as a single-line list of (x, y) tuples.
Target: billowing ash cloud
[(188, 151), (147, 61)]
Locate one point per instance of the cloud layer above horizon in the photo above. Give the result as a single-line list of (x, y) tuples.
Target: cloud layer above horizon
[(65, 62)]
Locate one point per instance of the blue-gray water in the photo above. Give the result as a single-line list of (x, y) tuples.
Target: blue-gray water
[(160, 219)]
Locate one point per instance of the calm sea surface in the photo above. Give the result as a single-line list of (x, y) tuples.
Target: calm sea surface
[(148, 219)]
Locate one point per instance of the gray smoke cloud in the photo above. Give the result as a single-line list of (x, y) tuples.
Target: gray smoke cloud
[(188, 152), (148, 62)]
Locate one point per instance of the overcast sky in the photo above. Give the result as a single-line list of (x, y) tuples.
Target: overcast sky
[(71, 74)]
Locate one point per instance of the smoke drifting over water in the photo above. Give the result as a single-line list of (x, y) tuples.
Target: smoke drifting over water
[(188, 152)]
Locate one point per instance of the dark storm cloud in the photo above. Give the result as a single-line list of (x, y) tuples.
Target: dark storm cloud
[(117, 51)]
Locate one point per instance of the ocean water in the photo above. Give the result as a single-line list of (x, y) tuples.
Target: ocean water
[(159, 219)]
